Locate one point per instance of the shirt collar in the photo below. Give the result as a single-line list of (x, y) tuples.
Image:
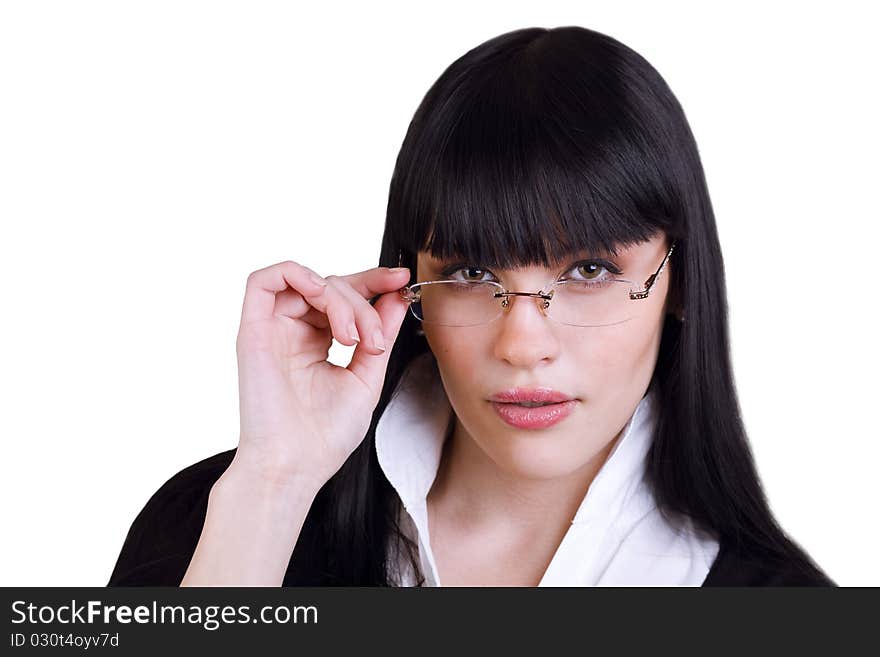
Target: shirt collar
[(413, 427)]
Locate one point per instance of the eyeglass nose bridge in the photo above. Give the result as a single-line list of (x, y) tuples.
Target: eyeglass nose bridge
[(546, 296)]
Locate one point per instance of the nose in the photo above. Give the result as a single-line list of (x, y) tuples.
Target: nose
[(525, 336)]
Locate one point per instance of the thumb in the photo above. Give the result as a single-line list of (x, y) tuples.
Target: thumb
[(368, 367)]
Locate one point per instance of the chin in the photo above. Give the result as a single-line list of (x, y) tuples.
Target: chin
[(528, 458)]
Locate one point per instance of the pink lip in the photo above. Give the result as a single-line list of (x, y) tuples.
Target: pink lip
[(539, 417), (539, 394)]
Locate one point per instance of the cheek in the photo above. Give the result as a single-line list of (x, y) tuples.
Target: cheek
[(456, 352), (637, 341), (444, 344), (616, 358)]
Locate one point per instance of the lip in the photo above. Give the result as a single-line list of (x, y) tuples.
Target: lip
[(541, 394), (539, 417)]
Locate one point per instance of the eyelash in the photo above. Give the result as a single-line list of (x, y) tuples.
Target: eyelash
[(610, 267)]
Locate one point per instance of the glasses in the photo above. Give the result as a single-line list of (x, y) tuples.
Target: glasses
[(574, 302)]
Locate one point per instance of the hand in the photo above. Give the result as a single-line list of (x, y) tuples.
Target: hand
[(301, 416)]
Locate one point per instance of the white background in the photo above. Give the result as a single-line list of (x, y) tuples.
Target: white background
[(152, 154)]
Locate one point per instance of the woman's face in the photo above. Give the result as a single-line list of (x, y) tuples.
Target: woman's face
[(606, 369)]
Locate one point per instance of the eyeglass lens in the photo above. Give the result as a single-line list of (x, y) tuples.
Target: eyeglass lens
[(575, 303)]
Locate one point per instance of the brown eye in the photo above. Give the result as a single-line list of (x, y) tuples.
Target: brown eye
[(590, 270), (468, 273)]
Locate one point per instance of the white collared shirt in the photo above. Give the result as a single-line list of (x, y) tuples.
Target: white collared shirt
[(618, 536)]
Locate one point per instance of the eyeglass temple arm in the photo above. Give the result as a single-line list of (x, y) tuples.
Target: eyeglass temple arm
[(653, 277)]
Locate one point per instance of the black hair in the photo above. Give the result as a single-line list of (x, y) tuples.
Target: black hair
[(535, 143)]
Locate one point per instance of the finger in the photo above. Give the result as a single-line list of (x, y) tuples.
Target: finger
[(378, 280), (264, 284), (368, 323), (339, 311), (342, 303), (370, 368), (291, 303), (329, 300)]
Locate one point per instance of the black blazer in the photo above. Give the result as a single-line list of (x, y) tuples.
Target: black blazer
[(163, 538)]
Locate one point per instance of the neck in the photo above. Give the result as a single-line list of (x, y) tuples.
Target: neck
[(475, 493)]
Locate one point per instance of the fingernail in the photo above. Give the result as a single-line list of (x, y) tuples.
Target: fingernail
[(317, 280), (353, 333), (396, 270), (379, 340)]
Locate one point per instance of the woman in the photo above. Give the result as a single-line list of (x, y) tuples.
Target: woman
[(550, 202)]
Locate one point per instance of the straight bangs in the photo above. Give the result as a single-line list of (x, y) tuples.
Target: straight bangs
[(529, 154)]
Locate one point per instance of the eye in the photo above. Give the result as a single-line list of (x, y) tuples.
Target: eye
[(591, 270), (472, 272)]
